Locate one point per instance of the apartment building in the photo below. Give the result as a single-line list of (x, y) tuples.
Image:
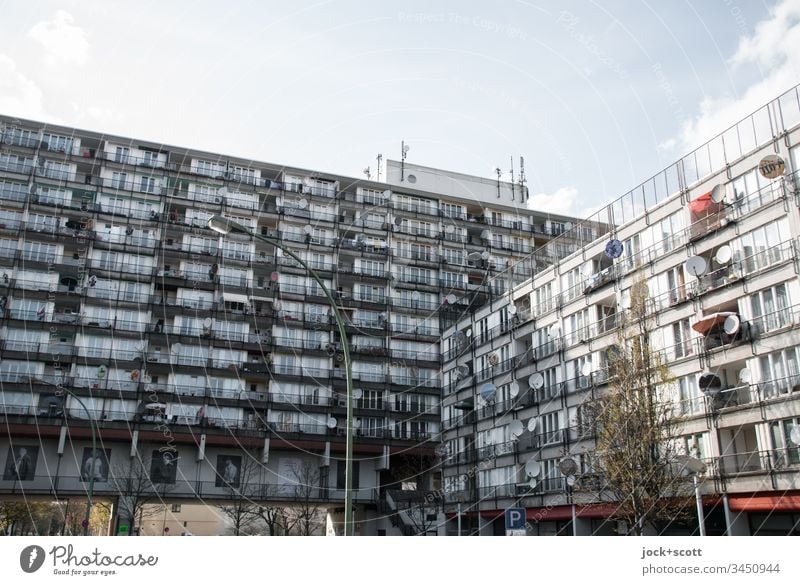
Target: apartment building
[(211, 365), (715, 239)]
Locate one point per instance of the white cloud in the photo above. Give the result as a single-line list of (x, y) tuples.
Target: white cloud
[(19, 96), (63, 42), (773, 48), (560, 202)]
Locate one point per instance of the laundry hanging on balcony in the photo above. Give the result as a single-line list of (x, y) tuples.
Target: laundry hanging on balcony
[(704, 205)]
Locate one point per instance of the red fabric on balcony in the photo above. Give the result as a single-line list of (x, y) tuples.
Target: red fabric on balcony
[(708, 322), (704, 205)]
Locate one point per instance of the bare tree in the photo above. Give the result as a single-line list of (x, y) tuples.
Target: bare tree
[(636, 457), (242, 509), (305, 514), (137, 492), (277, 519)]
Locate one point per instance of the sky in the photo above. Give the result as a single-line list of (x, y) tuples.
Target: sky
[(596, 96)]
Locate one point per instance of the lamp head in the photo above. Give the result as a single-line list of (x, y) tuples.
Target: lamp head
[(223, 225)]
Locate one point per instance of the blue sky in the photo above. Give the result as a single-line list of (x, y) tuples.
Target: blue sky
[(595, 96)]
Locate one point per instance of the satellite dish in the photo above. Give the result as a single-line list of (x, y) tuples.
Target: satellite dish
[(512, 309), (494, 359), (451, 299), (745, 376), (532, 424), (696, 266), (357, 394), (771, 166), (586, 368), (536, 381), (449, 228), (709, 383), (488, 391), (731, 324), (474, 256), (513, 389), (275, 276), (176, 348), (723, 255), (331, 422), (567, 466), (222, 191), (415, 295), (302, 203), (308, 229), (468, 332), (486, 234), (570, 480), (463, 371), (516, 428), (207, 323), (356, 424), (625, 302), (276, 305), (614, 249), (485, 255), (398, 221), (794, 435), (694, 465), (533, 468), (718, 193), (140, 345), (555, 330), (532, 483), (101, 372)]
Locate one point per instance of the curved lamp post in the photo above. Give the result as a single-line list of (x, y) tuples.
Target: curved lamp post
[(60, 389), (225, 226)]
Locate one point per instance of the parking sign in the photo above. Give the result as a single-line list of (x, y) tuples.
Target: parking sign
[(515, 522)]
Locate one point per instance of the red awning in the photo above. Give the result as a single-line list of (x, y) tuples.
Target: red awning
[(708, 322), (778, 503), (704, 205)]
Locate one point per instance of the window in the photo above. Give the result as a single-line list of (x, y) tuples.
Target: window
[(175, 508), (543, 299), (57, 143), (682, 338), (550, 428), (632, 252), (695, 445), (572, 284), (691, 400), (779, 372), (340, 474), (147, 185), (452, 210), (770, 308), (57, 170), (787, 450), (119, 180), (670, 231), (551, 387)]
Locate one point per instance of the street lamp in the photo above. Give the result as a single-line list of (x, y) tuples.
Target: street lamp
[(60, 389), (695, 467), (225, 226)]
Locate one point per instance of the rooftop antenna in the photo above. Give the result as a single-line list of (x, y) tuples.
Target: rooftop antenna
[(404, 148), (379, 158), (512, 177), (368, 173), (522, 177), (499, 172)]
